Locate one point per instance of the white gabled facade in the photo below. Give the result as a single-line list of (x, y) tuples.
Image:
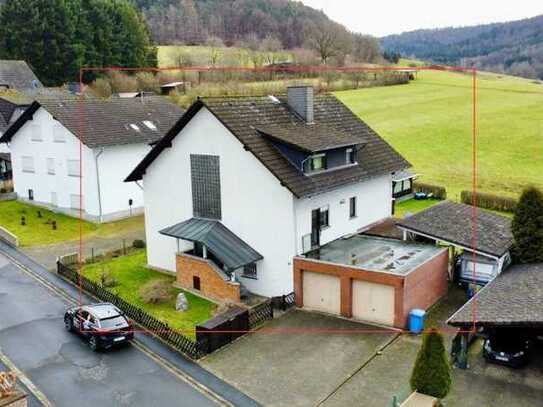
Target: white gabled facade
[(254, 204), (52, 167)]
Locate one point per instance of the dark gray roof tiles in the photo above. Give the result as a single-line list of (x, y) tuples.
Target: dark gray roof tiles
[(453, 222), (17, 75), (310, 137), (111, 122), (514, 298)]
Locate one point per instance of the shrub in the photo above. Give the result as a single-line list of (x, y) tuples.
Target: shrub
[(147, 82), (439, 192), (121, 82), (138, 244), (489, 201), (527, 227), (156, 291), (101, 88), (3, 190), (107, 279), (431, 374)]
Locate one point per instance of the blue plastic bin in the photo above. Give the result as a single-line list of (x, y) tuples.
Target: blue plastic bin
[(416, 320)]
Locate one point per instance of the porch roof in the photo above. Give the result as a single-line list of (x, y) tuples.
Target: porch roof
[(223, 243)]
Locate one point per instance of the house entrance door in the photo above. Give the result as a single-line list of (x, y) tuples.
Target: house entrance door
[(315, 228)]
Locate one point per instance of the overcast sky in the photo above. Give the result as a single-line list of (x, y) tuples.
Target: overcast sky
[(381, 18)]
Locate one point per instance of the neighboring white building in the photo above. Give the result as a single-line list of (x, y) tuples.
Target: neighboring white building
[(251, 182), (70, 155)]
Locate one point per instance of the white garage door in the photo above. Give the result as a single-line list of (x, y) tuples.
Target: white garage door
[(321, 292), (373, 302)]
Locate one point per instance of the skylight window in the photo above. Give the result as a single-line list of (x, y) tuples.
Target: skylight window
[(274, 100), (150, 124), (134, 127)]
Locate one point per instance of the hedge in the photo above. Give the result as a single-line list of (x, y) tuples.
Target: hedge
[(490, 201), (437, 191)]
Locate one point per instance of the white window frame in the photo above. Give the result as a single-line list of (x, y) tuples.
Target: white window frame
[(29, 169), (50, 166), (73, 168), (58, 133), (36, 133), (348, 153)]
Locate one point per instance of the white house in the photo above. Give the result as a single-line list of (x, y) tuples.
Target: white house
[(70, 155), (239, 186)]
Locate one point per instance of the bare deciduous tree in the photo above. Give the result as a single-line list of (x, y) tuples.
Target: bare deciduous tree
[(328, 40)]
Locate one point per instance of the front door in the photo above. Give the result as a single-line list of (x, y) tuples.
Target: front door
[(315, 228)]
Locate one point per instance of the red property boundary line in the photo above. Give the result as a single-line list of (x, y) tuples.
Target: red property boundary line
[(298, 69)]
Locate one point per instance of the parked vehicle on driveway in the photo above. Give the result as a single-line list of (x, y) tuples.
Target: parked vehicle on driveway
[(507, 348), (103, 325)]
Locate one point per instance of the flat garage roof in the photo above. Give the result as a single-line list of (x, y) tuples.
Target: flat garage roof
[(514, 299), (376, 254)]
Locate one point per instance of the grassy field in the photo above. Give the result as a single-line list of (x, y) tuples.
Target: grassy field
[(131, 273), (39, 230), (174, 55), (429, 121)]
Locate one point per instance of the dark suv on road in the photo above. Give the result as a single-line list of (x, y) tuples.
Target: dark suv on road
[(103, 325)]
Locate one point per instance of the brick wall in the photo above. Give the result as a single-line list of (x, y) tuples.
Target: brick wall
[(212, 284), (424, 286), (421, 288)]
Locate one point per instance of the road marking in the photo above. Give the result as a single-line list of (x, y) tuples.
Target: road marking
[(25, 380), (137, 344)]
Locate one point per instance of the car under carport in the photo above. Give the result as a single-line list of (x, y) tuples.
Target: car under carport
[(513, 300)]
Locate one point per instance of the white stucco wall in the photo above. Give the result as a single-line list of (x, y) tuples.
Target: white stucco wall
[(3, 147), (114, 165), (254, 204), (42, 183), (374, 202)]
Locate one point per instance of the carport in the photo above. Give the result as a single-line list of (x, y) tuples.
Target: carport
[(487, 235), (514, 299)]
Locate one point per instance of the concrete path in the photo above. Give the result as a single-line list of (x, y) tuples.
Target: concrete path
[(147, 373), (47, 255)]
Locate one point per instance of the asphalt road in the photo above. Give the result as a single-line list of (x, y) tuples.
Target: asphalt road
[(61, 365)]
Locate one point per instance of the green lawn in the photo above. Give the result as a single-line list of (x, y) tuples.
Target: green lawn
[(39, 231), (413, 206), (429, 121), (131, 273)]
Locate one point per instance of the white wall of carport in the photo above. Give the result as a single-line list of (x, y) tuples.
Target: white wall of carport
[(42, 183), (254, 204), (374, 202)]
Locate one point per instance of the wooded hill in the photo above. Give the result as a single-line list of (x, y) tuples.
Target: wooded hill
[(514, 47)]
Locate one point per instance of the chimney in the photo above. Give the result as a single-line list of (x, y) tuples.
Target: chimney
[(300, 99)]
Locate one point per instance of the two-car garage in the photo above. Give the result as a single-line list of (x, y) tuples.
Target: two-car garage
[(371, 302), (383, 281)]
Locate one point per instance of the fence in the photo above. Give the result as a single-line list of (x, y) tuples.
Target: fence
[(283, 302), (180, 342), (260, 314)]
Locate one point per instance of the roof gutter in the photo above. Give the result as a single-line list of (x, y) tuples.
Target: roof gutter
[(96, 156)]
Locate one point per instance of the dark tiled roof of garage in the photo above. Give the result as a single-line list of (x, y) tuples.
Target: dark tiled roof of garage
[(514, 298), (106, 122), (453, 222), (242, 116)]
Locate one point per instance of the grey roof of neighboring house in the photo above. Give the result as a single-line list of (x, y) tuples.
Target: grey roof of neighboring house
[(17, 75), (310, 137), (453, 222), (243, 115), (403, 175), (514, 298), (6, 110), (5, 157), (102, 123), (224, 244)]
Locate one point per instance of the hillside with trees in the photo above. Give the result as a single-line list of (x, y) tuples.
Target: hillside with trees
[(57, 37), (273, 24), (514, 47)]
